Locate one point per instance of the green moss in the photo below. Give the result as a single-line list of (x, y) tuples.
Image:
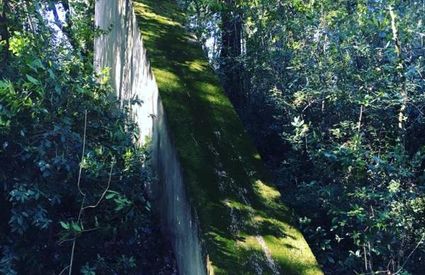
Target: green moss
[(215, 151)]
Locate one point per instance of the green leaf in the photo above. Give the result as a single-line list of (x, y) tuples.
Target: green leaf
[(32, 80), (76, 227), (111, 195), (3, 84), (64, 225)]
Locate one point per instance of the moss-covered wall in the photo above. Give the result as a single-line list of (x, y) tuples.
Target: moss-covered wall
[(122, 51), (221, 211)]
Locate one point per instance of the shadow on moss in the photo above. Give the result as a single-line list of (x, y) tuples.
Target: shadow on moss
[(225, 178)]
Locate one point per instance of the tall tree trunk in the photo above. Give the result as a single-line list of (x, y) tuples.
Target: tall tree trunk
[(231, 50), (4, 34)]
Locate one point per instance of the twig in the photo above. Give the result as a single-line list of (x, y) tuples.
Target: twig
[(104, 192), (29, 19), (411, 253), (82, 208), (63, 270), (359, 123), (82, 155), (81, 192), (65, 240), (71, 261)]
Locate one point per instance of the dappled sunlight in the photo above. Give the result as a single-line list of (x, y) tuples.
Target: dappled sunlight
[(146, 12), (239, 214), (164, 76), (197, 65), (238, 206), (268, 194)]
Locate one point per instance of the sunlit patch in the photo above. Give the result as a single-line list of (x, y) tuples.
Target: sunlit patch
[(267, 192), (250, 243), (168, 78), (197, 65), (211, 93), (210, 266), (146, 12), (238, 206)]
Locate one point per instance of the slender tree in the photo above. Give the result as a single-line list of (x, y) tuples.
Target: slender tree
[(231, 50)]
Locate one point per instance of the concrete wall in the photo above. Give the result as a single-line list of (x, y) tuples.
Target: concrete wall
[(122, 51), (176, 214)]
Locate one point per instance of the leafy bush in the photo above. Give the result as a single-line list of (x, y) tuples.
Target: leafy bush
[(73, 181), (333, 97)]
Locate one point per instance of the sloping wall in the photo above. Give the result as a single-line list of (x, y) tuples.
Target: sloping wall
[(122, 50), (222, 215)]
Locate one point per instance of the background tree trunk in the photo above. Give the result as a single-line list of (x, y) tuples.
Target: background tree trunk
[(231, 50), (4, 33)]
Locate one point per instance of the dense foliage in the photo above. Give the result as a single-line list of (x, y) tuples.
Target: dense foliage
[(73, 183), (333, 94)]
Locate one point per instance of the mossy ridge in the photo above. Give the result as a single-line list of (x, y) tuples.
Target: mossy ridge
[(217, 156)]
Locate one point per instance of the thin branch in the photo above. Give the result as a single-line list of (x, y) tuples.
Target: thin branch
[(82, 155), (411, 253), (359, 123), (104, 192), (63, 270), (66, 240), (30, 23), (71, 261), (81, 192), (400, 66)]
